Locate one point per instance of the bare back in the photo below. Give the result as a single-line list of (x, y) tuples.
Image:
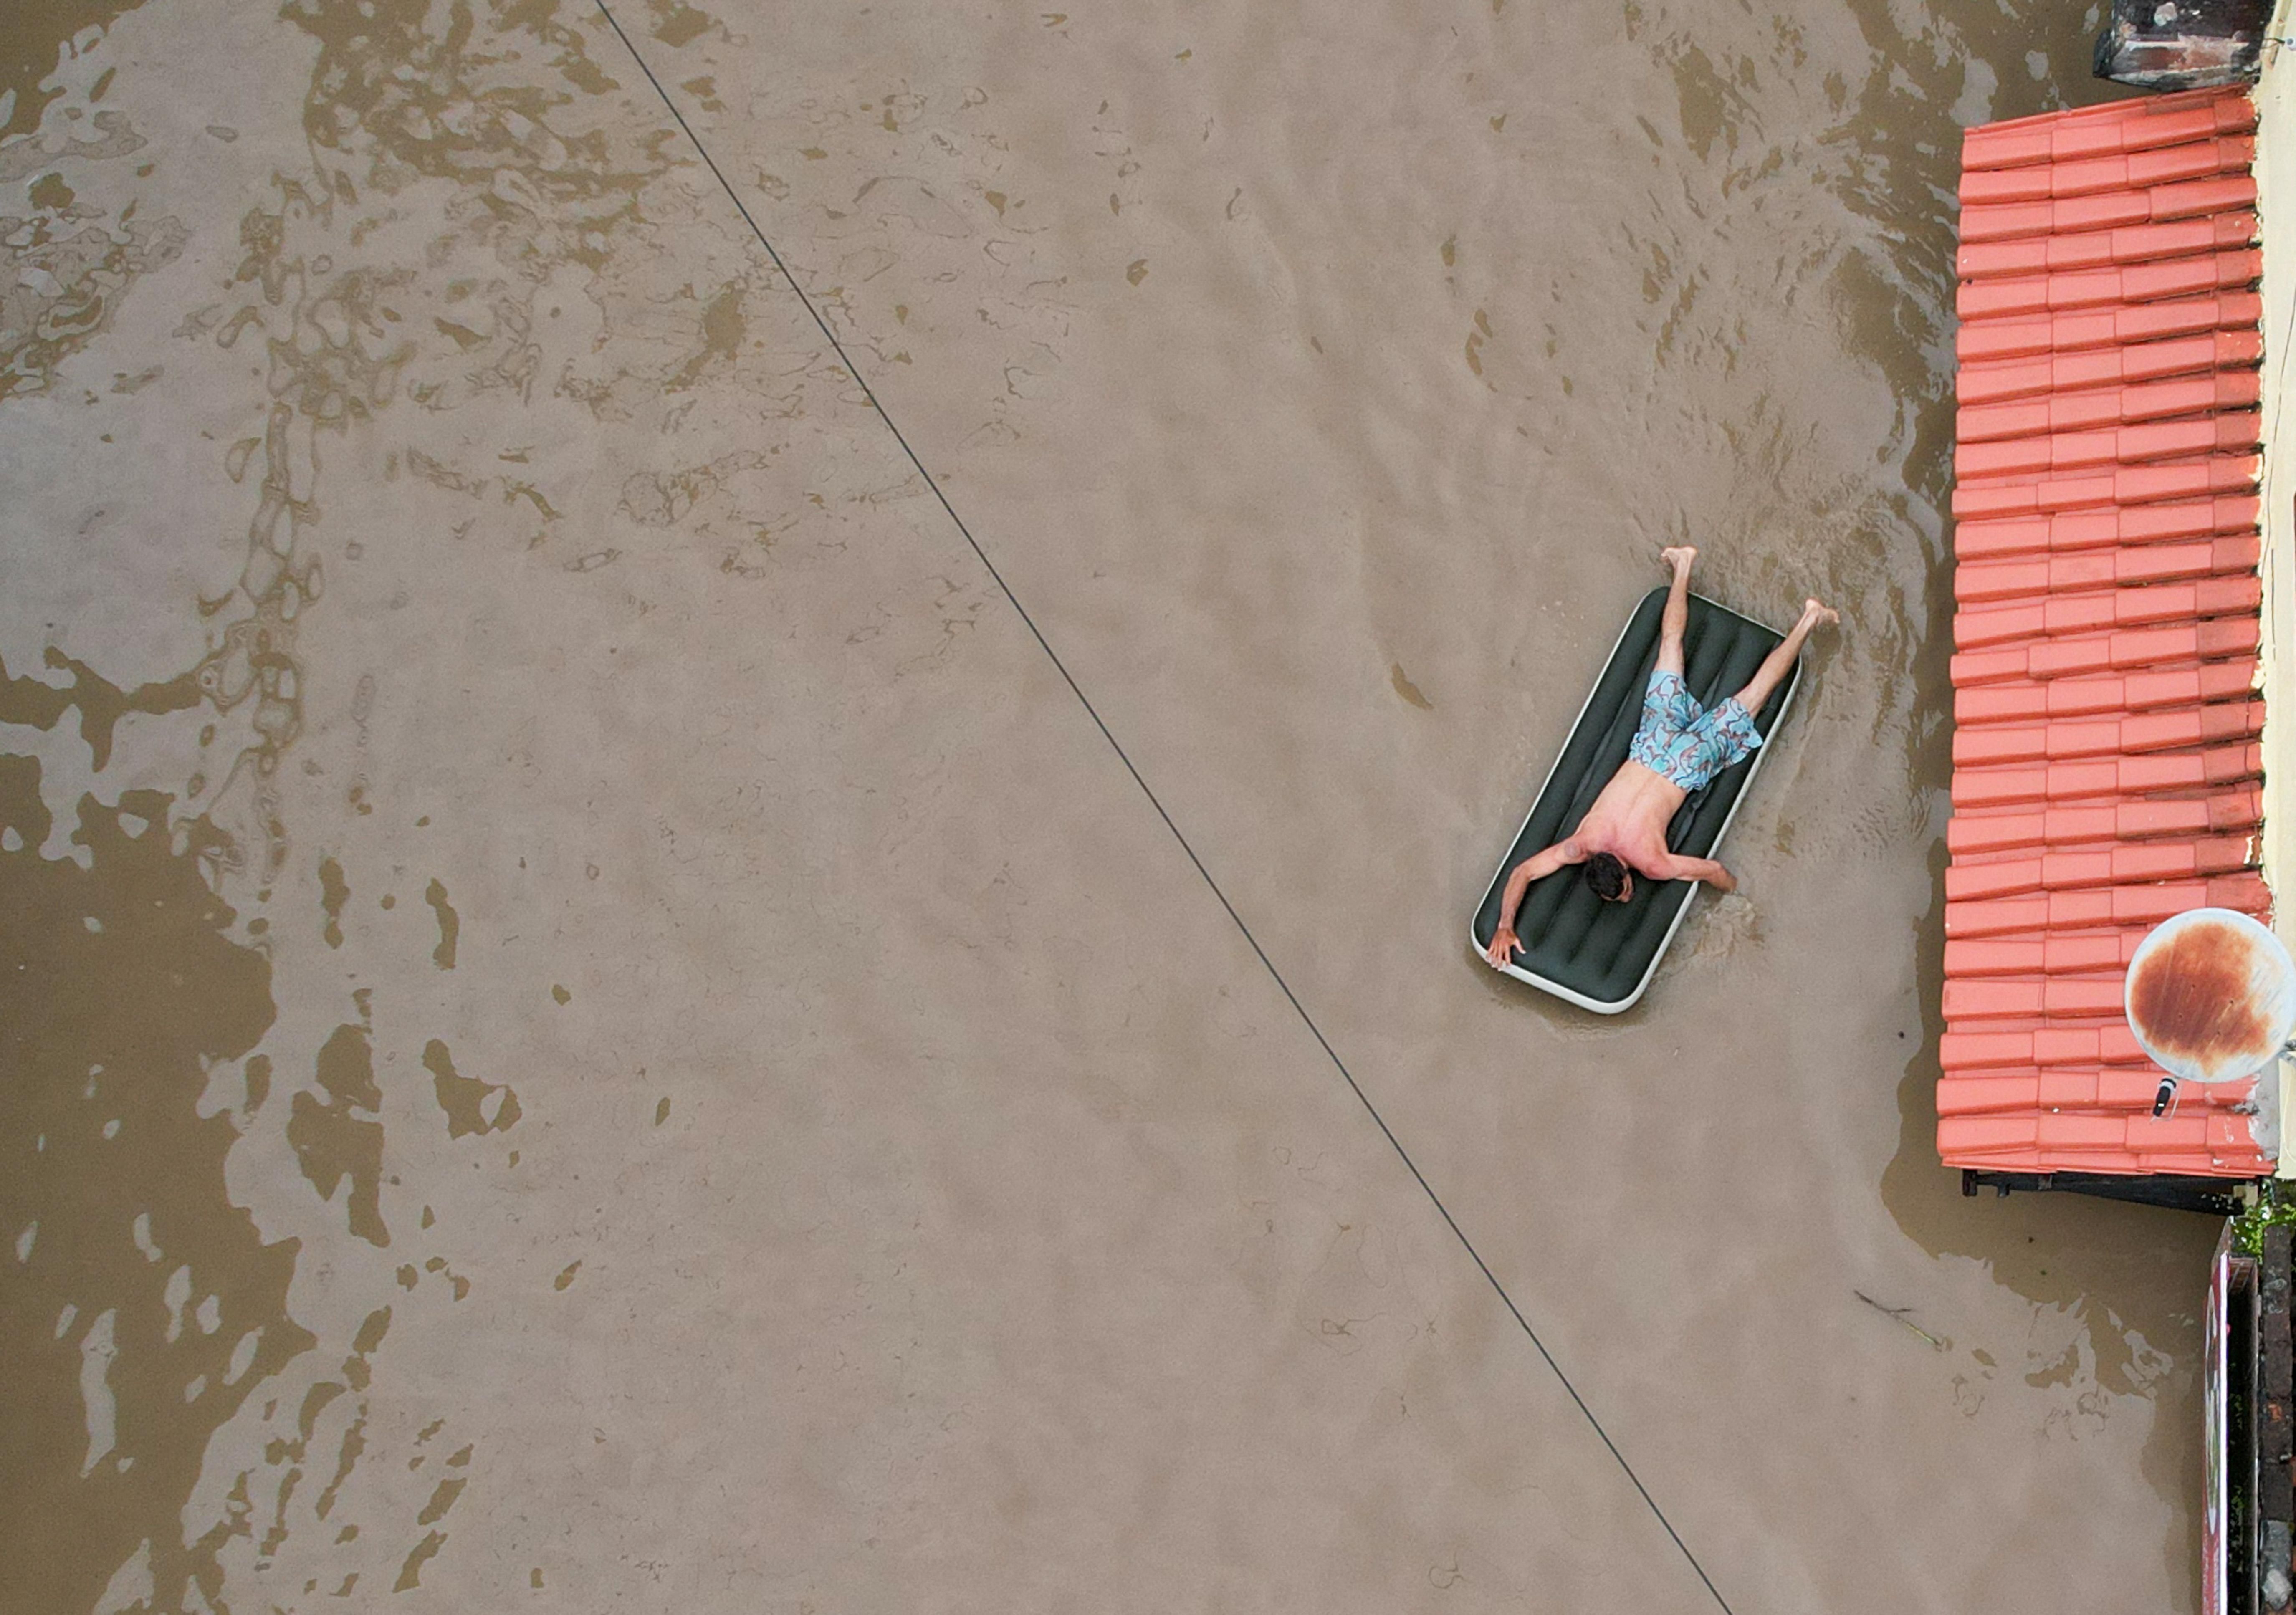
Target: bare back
[(1629, 820)]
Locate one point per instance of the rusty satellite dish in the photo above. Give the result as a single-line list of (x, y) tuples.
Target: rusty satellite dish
[(2211, 997)]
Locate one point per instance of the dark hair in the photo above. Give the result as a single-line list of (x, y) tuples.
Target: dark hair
[(1606, 877)]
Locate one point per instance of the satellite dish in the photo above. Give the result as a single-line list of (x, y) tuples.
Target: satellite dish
[(2211, 997)]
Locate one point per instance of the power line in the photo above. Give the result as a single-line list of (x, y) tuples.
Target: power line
[(1125, 758)]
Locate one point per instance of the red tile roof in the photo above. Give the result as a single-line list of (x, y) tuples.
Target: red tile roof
[(2106, 629)]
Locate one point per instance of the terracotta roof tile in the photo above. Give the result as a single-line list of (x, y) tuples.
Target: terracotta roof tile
[(1994, 997), (2095, 248), (1975, 833), (1984, 786), (1979, 746), (2140, 170), (2073, 451), (2081, 1040), (2119, 325), (2098, 611), (2081, 868), (2093, 407), (2104, 906), (2103, 111), (2137, 125), (2207, 1142), (2134, 485), (2023, 701), (2101, 1089), (2009, 380), (1976, 581), (2095, 653), (2051, 293), (2043, 952), (2107, 210), (2106, 623), (2112, 527)]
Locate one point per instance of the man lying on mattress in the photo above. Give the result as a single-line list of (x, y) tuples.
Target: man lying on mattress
[(1677, 749)]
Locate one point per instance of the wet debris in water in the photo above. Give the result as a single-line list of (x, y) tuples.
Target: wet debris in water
[(1897, 1314)]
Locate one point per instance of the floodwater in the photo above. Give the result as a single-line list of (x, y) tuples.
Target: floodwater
[(589, 1016)]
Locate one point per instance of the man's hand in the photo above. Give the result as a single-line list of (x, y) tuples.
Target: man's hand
[(1504, 941), (1679, 868)]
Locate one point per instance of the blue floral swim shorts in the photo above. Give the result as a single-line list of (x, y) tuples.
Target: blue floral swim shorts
[(1683, 741)]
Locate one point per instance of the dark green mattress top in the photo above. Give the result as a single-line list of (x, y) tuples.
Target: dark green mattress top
[(1605, 952)]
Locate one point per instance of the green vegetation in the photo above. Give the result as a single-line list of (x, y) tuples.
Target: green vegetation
[(2274, 1204)]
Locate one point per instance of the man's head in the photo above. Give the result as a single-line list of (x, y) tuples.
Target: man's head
[(1607, 878)]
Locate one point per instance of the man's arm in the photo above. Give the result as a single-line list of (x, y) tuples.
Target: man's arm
[(1536, 867), (1679, 868)]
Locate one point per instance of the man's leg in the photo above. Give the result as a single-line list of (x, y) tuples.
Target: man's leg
[(1677, 609), (1775, 665)]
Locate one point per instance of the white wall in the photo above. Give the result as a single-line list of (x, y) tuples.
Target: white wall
[(2276, 174)]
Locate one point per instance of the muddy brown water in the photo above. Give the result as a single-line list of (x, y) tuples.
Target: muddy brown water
[(587, 1015)]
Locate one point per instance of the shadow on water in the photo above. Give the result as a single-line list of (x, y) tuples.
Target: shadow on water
[(142, 1306), (2132, 1275), (33, 37), (1881, 130)]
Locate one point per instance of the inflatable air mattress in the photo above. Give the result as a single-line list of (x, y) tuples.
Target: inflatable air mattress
[(1601, 955)]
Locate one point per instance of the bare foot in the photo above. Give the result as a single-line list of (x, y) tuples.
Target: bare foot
[(1815, 611), (1679, 557)]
